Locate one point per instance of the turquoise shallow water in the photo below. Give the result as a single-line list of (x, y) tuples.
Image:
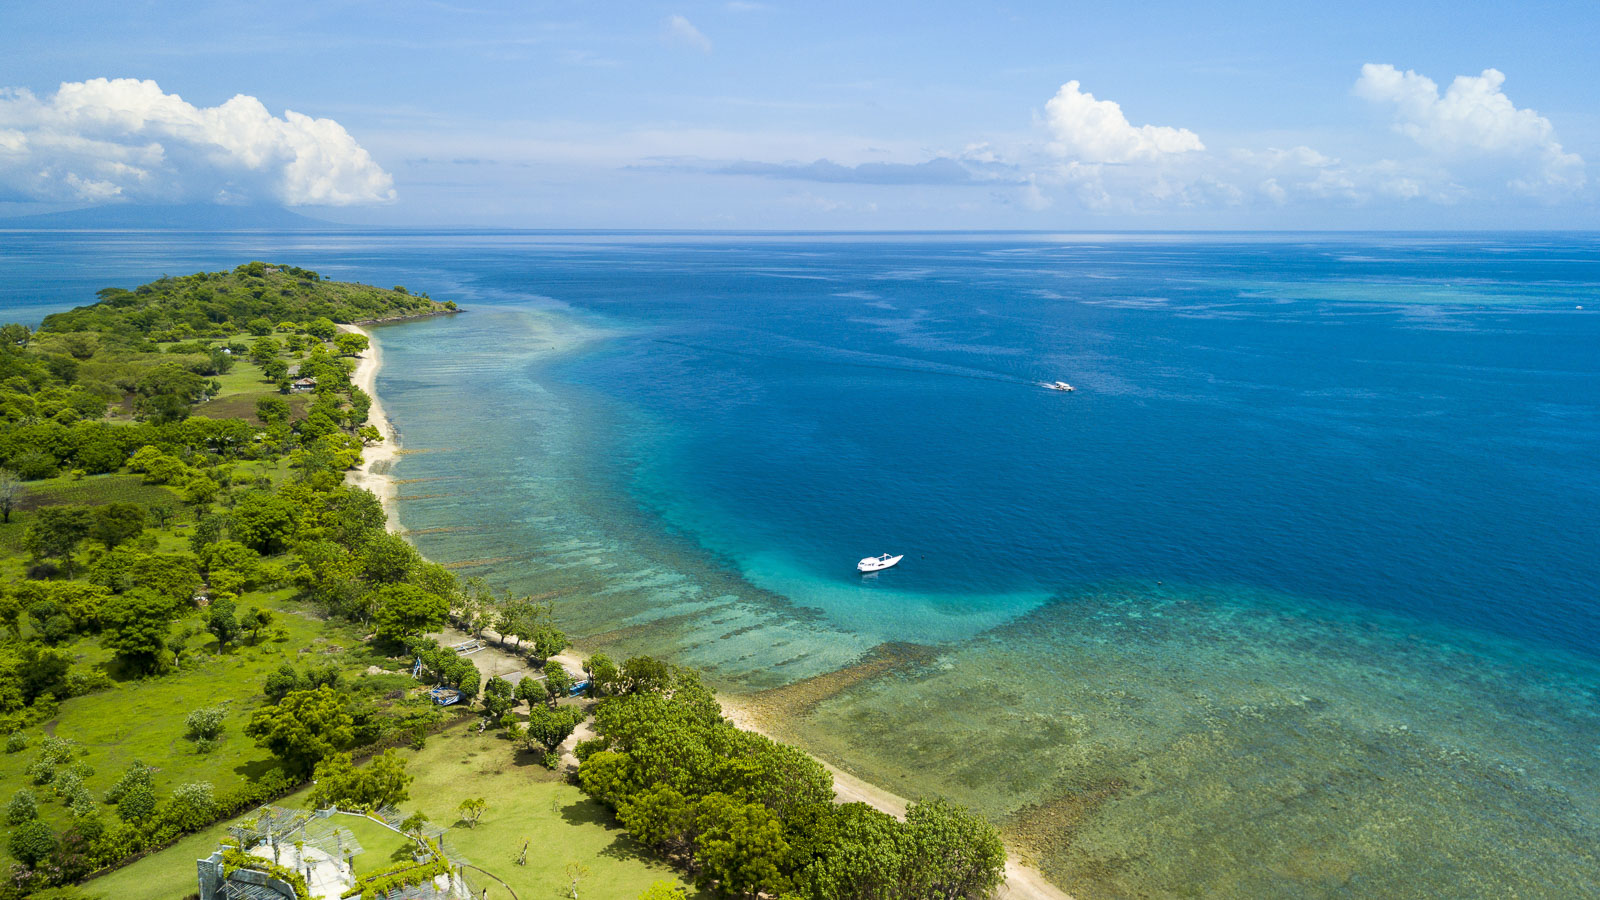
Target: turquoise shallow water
[(1295, 596)]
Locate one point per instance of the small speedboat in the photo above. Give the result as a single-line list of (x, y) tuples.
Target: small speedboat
[(1059, 386), (878, 563)]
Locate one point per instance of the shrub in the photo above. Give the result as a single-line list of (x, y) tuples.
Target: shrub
[(135, 775), (33, 843), (24, 807), (205, 724), (587, 748), (41, 771), (17, 742)]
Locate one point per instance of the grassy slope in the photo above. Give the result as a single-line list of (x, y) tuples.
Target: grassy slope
[(525, 803), (143, 720)]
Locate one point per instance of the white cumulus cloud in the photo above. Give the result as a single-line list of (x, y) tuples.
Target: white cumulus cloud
[(681, 31), (126, 139), (1093, 131), (1473, 118)]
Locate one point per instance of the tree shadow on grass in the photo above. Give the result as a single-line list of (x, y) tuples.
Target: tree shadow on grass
[(532, 762), (255, 768), (622, 846)]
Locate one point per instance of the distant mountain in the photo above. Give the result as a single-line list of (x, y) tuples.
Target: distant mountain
[(197, 217)]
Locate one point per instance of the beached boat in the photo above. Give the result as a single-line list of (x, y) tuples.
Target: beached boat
[(878, 563), (1058, 386)]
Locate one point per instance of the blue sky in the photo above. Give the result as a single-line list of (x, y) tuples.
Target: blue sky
[(815, 115)]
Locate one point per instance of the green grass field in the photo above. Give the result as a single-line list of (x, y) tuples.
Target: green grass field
[(88, 490), (526, 804), (143, 720)]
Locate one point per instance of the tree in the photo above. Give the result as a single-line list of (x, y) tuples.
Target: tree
[(529, 691), (56, 532), (576, 872), (856, 854), (741, 849), (272, 409), (547, 728), (950, 852), (304, 728), (557, 683), (779, 777), (322, 328), (117, 523), (200, 491), (603, 675), (11, 492), (404, 610), (547, 641), (265, 522), (645, 675), (222, 622), (136, 630), (349, 344), (661, 817), (255, 620), (263, 351), (167, 392), (386, 558), (414, 824), (14, 337), (381, 782), (497, 698), (471, 809)]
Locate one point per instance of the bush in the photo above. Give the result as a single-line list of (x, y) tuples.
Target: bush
[(585, 749), (205, 724), (33, 843), (17, 742), (24, 807)]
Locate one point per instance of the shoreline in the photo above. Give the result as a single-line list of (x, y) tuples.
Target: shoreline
[(376, 459), (1022, 881)]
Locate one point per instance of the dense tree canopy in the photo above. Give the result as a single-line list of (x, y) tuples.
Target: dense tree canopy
[(753, 817), (304, 728)]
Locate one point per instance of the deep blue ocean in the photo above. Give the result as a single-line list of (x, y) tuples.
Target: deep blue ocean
[(1323, 515)]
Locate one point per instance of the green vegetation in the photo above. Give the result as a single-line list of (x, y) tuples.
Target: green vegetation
[(748, 816), (176, 642), (198, 615)]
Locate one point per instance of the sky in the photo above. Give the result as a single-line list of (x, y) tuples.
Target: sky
[(779, 114)]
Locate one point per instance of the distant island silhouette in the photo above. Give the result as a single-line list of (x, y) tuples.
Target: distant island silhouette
[(178, 217)]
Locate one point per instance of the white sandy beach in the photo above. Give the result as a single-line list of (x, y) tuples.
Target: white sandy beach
[(373, 473), (1022, 882)]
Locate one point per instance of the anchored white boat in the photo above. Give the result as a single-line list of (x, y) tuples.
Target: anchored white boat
[(878, 563), (1059, 386)]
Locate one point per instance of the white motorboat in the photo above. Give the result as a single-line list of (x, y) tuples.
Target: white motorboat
[(1059, 386), (878, 563)]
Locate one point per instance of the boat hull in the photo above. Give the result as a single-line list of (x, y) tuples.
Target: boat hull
[(874, 564)]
